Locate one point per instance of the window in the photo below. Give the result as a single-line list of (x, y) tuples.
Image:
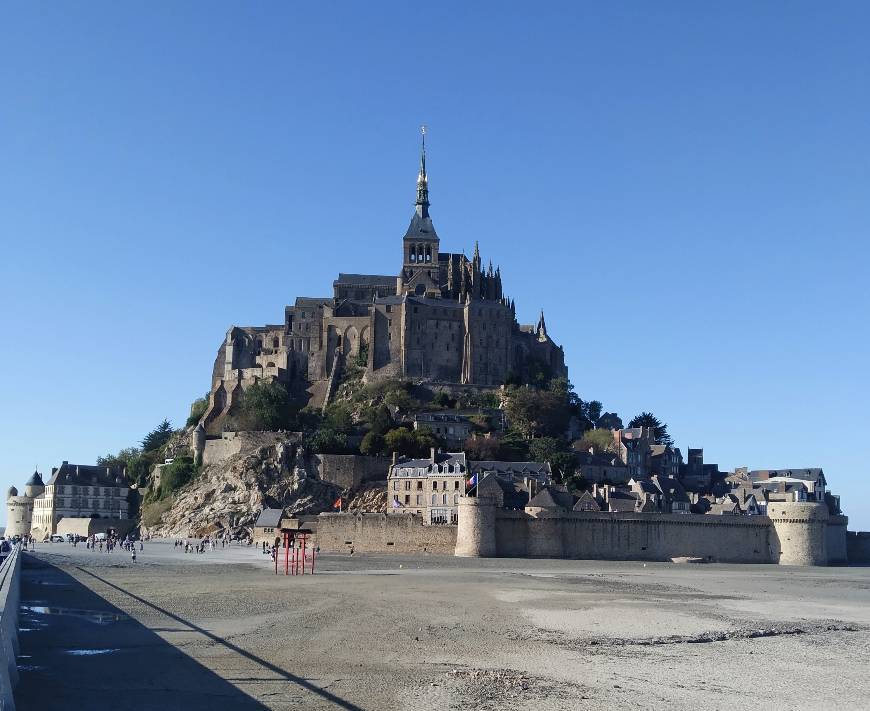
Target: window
[(434, 486), (434, 499), (444, 499), (455, 499), (395, 486), (419, 500), (419, 486), (389, 309), (407, 486), (456, 484), (407, 498)]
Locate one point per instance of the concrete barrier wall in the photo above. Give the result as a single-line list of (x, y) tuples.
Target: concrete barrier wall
[(380, 533), (628, 536), (10, 600)]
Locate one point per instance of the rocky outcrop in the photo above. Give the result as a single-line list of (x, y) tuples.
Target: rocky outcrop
[(371, 497), (229, 496)]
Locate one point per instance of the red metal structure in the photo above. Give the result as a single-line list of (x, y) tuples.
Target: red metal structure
[(295, 540)]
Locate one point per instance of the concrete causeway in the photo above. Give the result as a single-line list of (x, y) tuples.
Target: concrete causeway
[(220, 631)]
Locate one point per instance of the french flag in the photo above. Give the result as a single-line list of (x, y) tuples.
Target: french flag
[(472, 482)]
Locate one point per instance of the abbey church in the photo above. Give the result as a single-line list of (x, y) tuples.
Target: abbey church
[(444, 319)]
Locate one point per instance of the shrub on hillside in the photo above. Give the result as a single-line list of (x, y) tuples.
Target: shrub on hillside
[(175, 475)]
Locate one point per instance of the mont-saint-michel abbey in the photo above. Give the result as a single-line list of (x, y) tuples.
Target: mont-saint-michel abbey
[(541, 409), (444, 318)]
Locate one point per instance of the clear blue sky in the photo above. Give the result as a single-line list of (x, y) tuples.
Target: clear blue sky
[(683, 187)]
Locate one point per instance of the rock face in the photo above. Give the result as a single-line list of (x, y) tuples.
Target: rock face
[(230, 495), (371, 497)]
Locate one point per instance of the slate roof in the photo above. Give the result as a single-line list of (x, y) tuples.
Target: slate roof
[(269, 518), (364, 280), (511, 468), (809, 474), (34, 480), (549, 498), (421, 227), (313, 301), (87, 475), (441, 458)]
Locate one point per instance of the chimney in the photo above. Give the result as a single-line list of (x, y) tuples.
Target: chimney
[(395, 457), (432, 453)]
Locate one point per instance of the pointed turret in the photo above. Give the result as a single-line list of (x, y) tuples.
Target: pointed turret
[(542, 327), (420, 245)]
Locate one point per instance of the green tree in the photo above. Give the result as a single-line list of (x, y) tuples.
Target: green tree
[(157, 437), (647, 419), (599, 441), (401, 441), (543, 449), (537, 413), (338, 417), (483, 448), (175, 475), (121, 460), (266, 406), (379, 419), (372, 444), (610, 421), (197, 410), (328, 441), (443, 400), (362, 358)]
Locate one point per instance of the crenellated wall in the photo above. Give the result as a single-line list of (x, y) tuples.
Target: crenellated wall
[(793, 534)]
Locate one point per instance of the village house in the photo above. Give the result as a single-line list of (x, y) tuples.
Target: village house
[(446, 426), (428, 487)]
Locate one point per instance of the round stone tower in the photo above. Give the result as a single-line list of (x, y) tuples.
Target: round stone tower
[(34, 486), (19, 513), (475, 534), (800, 531), (197, 443)]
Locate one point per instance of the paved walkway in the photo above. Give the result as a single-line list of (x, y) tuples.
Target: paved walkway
[(80, 652)]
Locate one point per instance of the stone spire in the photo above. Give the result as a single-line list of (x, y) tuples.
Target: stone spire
[(542, 327), (423, 180)]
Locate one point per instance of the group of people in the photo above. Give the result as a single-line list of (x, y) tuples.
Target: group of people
[(201, 546), (111, 542)]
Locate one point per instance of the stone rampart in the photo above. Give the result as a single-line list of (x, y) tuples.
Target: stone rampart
[(858, 547), (218, 449), (349, 470), (89, 526), (631, 536), (380, 533), (793, 534)]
